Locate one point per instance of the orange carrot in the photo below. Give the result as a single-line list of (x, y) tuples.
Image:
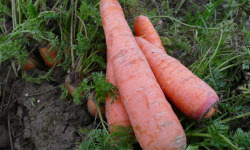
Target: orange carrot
[(115, 113), (189, 93), (145, 29), (91, 104), (152, 118), (49, 57), (92, 108), (29, 65)]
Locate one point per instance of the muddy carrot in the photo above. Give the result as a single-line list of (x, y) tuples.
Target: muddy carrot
[(154, 123), (189, 93)]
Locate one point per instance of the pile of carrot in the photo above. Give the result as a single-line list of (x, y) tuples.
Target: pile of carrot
[(153, 121), (144, 72)]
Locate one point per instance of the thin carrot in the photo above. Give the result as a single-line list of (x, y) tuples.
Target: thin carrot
[(189, 93), (145, 29), (115, 113), (92, 107), (71, 88), (152, 118)]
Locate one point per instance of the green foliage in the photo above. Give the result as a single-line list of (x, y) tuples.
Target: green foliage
[(83, 45), (65, 92), (89, 12), (192, 147), (32, 11), (100, 139), (245, 89), (97, 82), (4, 9), (11, 50), (242, 138), (38, 79)]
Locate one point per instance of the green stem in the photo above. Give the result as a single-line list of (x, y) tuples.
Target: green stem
[(87, 67), (37, 3), (236, 117), (71, 35), (226, 62), (191, 26), (224, 100), (75, 20), (226, 140), (91, 69), (227, 120), (2, 31), (198, 134), (229, 66), (190, 126), (92, 54), (55, 5), (100, 116), (203, 59), (19, 12), (13, 7), (215, 52)]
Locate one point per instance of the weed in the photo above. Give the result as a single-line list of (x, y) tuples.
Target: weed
[(32, 101)]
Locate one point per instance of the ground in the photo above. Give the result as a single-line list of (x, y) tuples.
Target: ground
[(49, 123)]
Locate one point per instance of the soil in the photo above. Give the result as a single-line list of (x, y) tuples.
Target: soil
[(49, 123)]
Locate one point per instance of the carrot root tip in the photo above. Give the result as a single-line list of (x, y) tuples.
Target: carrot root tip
[(211, 111)]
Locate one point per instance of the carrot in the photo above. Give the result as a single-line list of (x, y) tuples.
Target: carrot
[(154, 123), (92, 108), (189, 93), (29, 65), (115, 113), (145, 29), (49, 57), (91, 103), (32, 63), (71, 88)]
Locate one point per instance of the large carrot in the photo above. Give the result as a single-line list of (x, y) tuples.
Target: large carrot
[(189, 93), (154, 123), (115, 113), (144, 28)]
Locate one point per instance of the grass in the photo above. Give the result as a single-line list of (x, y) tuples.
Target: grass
[(212, 40)]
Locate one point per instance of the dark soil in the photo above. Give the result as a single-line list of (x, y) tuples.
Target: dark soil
[(50, 123)]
